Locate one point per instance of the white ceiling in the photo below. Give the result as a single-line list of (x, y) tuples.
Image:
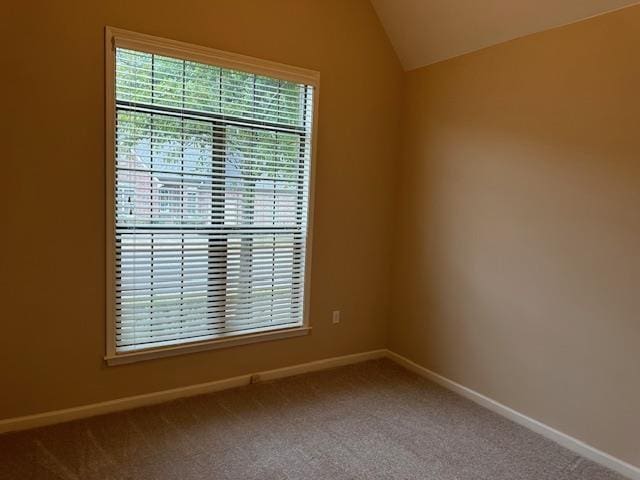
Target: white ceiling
[(428, 31)]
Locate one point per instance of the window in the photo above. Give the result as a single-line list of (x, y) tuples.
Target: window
[(208, 197)]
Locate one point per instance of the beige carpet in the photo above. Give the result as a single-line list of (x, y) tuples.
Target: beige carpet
[(369, 421)]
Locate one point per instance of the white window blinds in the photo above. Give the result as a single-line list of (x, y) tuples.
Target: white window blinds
[(211, 201)]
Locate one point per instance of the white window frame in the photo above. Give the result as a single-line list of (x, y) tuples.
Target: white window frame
[(118, 38)]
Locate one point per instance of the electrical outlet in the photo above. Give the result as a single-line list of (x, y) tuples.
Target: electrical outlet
[(335, 317)]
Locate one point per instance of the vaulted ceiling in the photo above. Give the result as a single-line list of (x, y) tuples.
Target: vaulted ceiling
[(428, 31)]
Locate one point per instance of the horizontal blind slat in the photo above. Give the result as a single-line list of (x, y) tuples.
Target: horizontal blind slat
[(212, 333), (212, 171)]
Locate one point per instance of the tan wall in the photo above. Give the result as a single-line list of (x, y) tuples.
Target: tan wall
[(53, 197), (519, 227), (517, 266)]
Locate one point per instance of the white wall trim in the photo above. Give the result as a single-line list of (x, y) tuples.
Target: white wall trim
[(222, 341), (563, 439), (126, 403)]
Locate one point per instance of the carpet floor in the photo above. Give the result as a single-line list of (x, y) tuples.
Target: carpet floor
[(373, 420)]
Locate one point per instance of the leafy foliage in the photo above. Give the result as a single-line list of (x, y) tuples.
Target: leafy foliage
[(245, 102)]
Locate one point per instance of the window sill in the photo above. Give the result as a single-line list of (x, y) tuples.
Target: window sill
[(253, 337)]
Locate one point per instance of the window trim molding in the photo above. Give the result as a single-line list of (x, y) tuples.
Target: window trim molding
[(231, 340), (118, 38)]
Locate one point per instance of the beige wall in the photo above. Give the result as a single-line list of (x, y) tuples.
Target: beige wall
[(518, 272), (53, 199), (518, 220)]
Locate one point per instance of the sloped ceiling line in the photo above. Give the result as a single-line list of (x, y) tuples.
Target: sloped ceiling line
[(428, 31)]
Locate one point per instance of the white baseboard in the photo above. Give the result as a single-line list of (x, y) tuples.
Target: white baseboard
[(59, 416), (563, 439), (68, 414)]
